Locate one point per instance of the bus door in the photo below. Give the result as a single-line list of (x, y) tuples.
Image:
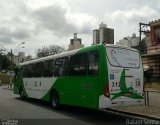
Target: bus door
[(90, 83), (17, 80), (83, 75), (76, 75)]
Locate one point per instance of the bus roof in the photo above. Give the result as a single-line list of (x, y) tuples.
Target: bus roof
[(50, 57), (69, 53)]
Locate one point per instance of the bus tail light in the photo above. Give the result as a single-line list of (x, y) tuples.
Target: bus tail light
[(106, 91), (127, 94)]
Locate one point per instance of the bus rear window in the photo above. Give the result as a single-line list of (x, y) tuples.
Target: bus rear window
[(123, 57)]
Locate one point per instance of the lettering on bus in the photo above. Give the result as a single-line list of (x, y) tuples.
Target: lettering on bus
[(138, 83), (37, 83), (87, 85), (115, 84)]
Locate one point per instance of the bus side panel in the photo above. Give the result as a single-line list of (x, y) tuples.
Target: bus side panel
[(57, 86), (19, 84), (84, 90), (46, 97), (77, 90)]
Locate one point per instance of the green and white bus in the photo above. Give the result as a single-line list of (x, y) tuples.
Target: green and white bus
[(98, 76)]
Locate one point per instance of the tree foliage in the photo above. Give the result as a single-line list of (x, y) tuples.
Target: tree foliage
[(50, 50), (4, 62), (143, 46)]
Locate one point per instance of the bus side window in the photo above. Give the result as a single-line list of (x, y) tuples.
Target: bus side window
[(78, 65), (58, 66), (30, 71), (47, 68), (65, 66), (38, 69), (27, 71), (24, 71), (93, 63)]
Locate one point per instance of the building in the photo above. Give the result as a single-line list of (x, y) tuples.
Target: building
[(95, 36), (18, 58), (124, 42), (151, 60), (132, 41), (75, 43), (103, 35)]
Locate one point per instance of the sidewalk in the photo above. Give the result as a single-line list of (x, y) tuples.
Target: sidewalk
[(5, 86), (152, 111)]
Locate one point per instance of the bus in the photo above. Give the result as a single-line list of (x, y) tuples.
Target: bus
[(98, 76)]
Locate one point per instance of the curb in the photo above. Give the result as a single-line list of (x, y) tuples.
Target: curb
[(134, 114), (11, 89), (4, 86)]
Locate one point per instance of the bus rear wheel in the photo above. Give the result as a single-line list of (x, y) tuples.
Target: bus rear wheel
[(55, 100)]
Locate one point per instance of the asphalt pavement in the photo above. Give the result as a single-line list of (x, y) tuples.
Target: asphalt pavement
[(32, 111)]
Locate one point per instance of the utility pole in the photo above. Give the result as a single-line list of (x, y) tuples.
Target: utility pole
[(141, 30), (11, 58), (15, 50), (11, 52)]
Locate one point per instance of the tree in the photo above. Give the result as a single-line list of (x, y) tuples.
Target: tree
[(143, 46), (5, 63), (50, 50)]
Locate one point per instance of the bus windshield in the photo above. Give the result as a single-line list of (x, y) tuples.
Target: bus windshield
[(123, 57)]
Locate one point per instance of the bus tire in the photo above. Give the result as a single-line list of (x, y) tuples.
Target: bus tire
[(55, 100), (21, 93)]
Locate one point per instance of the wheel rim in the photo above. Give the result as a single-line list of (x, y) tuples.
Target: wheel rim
[(21, 94), (54, 101)]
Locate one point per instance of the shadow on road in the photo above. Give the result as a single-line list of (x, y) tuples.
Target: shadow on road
[(92, 116)]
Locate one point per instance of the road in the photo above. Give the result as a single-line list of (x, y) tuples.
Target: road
[(31, 111)]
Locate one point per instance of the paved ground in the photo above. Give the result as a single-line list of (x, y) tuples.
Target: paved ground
[(31, 111), (152, 111)]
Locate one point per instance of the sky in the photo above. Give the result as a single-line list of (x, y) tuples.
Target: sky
[(41, 23)]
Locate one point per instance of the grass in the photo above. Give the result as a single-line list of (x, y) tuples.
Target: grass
[(5, 78), (152, 84)]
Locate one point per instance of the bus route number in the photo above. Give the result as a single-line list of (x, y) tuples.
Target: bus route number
[(115, 84)]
